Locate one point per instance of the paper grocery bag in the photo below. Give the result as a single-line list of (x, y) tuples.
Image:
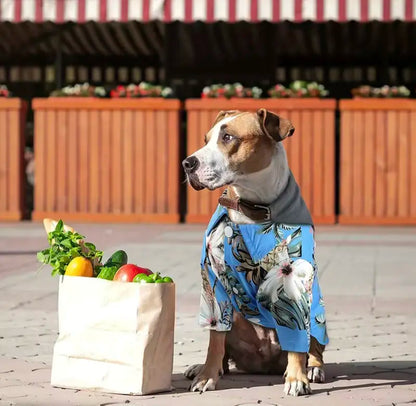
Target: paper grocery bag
[(113, 336)]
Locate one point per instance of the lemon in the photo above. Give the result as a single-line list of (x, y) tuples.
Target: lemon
[(79, 266)]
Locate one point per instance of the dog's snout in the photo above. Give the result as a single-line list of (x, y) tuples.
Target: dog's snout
[(190, 164)]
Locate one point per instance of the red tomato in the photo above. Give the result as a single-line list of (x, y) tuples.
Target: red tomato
[(127, 272)]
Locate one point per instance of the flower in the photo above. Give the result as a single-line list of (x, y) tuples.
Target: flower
[(80, 90), (384, 91), (230, 90), (143, 89), (298, 88), (4, 91)]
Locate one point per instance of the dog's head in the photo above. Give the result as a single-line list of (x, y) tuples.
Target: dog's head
[(239, 143)]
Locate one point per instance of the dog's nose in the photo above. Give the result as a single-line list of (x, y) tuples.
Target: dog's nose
[(190, 164)]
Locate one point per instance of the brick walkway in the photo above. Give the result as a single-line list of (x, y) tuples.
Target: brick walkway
[(367, 276)]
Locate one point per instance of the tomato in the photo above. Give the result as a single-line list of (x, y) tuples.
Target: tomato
[(127, 272)]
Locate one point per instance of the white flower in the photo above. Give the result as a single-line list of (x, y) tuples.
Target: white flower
[(295, 284), (100, 91), (167, 91)]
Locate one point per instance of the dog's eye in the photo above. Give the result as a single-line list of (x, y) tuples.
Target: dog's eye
[(227, 137)]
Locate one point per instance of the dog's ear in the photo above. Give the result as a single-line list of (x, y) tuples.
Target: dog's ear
[(224, 113), (275, 127)]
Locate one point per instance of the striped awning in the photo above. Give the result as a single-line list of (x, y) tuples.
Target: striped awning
[(60, 11)]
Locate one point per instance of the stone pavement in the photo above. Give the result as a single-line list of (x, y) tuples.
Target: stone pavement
[(367, 275)]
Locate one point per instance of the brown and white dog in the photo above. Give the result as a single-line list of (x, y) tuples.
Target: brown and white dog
[(243, 150)]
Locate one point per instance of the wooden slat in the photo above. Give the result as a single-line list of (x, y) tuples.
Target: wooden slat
[(61, 163), (14, 162), (105, 161), (369, 137), (51, 161), (345, 164), (381, 164), (295, 153), (160, 161), (357, 164), (94, 186), (127, 164), (214, 194), (403, 170), (140, 156), (204, 199), (173, 163), (305, 157), (116, 162), (192, 145), (392, 150), (327, 178), (4, 154), (317, 161), (73, 159), (40, 159), (412, 174), (83, 153), (150, 162)]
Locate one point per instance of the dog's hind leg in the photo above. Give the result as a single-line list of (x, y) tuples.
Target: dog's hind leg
[(316, 362)]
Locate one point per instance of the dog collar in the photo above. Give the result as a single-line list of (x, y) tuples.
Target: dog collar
[(254, 211)]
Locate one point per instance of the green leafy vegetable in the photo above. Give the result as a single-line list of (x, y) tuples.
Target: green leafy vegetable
[(107, 272), (64, 246)]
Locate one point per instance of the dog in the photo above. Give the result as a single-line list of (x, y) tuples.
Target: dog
[(260, 294)]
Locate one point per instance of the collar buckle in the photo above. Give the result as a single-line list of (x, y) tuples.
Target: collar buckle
[(268, 214)]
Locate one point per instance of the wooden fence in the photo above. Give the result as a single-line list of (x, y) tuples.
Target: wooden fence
[(107, 160), (378, 161), (311, 150), (12, 144)]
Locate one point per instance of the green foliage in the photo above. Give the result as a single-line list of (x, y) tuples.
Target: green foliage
[(65, 246)]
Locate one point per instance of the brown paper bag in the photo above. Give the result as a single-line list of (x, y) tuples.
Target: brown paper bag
[(113, 336)]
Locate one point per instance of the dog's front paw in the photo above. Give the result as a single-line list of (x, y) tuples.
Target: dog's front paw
[(297, 387), (316, 375), (193, 371), (206, 379)]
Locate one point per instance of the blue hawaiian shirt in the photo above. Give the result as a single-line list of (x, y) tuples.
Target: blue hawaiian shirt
[(266, 272)]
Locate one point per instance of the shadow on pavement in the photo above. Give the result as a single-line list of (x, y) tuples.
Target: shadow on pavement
[(18, 253), (342, 376)]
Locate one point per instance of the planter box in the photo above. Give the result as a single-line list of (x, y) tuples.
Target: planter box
[(110, 160), (378, 165), (12, 150), (311, 150)]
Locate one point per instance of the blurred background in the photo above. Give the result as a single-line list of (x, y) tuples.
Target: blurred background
[(299, 57)]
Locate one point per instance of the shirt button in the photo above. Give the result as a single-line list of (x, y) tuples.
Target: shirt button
[(228, 231)]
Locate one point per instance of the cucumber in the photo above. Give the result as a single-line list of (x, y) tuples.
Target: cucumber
[(118, 259)]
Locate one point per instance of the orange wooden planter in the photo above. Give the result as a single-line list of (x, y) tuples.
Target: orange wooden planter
[(12, 149), (110, 160), (311, 150), (378, 161)]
